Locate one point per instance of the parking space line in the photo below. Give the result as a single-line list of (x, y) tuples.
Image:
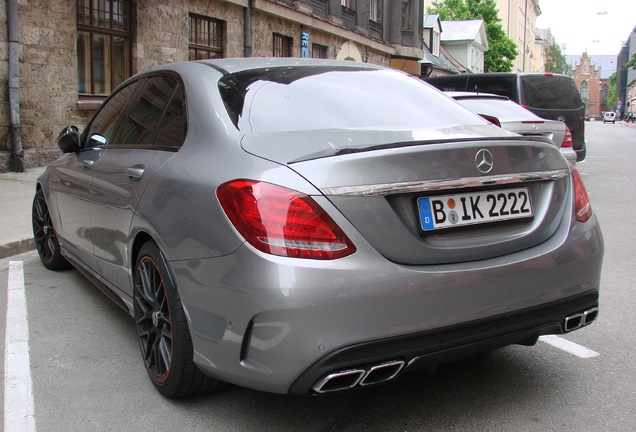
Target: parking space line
[(571, 347), (18, 387)]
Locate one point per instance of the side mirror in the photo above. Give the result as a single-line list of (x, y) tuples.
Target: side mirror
[(69, 140)]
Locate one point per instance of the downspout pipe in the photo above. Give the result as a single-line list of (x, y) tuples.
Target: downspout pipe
[(16, 162), (247, 30)]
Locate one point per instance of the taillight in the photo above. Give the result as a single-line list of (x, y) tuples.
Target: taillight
[(281, 221), (582, 208), (567, 139)]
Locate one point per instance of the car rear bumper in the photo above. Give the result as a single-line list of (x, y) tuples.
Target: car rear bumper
[(282, 324), (427, 350)]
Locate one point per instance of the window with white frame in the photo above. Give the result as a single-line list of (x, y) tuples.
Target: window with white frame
[(375, 10), (349, 4)]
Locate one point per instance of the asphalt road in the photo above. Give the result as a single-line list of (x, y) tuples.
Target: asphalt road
[(87, 373)]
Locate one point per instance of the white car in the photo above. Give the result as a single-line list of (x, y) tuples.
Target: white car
[(609, 117), (511, 116)]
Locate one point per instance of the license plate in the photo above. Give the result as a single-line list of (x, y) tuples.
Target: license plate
[(456, 210)]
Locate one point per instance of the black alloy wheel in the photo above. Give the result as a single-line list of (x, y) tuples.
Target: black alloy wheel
[(44, 236), (164, 336)]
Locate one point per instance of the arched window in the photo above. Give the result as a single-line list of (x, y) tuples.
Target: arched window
[(585, 97), (584, 91), (604, 91)]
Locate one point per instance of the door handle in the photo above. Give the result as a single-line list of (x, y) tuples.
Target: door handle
[(135, 173)]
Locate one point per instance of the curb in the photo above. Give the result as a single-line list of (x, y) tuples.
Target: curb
[(16, 248)]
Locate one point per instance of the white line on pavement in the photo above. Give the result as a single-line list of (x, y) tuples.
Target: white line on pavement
[(571, 347), (19, 413)]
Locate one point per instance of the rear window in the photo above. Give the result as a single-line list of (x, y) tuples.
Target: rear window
[(502, 109), (326, 97), (550, 92)]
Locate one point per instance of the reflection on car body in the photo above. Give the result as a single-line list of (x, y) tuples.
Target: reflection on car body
[(259, 220)]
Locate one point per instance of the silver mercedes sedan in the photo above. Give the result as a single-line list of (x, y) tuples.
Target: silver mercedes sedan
[(309, 226)]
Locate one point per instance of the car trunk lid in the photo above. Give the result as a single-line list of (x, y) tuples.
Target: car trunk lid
[(378, 184)]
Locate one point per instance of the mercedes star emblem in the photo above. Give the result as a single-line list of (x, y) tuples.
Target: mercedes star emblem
[(484, 161)]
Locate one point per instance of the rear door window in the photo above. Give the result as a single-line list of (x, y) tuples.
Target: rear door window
[(449, 83), (503, 85), (157, 116)]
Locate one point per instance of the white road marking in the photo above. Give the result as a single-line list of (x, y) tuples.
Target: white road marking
[(19, 413), (571, 347)]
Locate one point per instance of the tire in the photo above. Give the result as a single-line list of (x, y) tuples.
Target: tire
[(164, 336), (44, 235)]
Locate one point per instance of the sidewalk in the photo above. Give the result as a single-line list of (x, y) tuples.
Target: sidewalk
[(16, 196)]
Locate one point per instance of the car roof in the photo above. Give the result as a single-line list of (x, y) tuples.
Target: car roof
[(233, 65)]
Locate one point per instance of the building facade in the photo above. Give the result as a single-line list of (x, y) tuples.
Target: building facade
[(73, 53), (630, 107), (518, 18), (625, 76), (466, 41), (592, 87), (542, 40)]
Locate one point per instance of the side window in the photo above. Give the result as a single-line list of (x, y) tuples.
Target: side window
[(147, 111), (104, 125), (450, 83), (499, 85), (173, 125), (157, 116)]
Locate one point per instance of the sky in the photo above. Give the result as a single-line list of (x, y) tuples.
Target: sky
[(599, 27)]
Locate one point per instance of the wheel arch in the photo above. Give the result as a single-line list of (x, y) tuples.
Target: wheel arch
[(141, 238)]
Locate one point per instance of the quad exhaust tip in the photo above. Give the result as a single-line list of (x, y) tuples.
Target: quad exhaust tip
[(580, 319), (350, 378)]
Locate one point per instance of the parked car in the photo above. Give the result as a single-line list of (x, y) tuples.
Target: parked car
[(609, 117), (550, 96), (309, 226), (513, 117)]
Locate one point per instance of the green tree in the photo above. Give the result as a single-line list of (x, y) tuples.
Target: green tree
[(611, 93), (501, 49), (555, 61), (632, 62)]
